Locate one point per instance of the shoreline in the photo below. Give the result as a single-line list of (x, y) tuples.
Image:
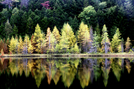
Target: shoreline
[(97, 55)]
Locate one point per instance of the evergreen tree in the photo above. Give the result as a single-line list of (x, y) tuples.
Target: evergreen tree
[(15, 30), (95, 41), (64, 42), (127, 44), (37, 39), (105, 40), (56, 34), (30, 48), (20, 45), (70, 34), (116, 40), (48, 39), (25, 44), (75, 49), (83, 29), (8, 28), (13, 45)]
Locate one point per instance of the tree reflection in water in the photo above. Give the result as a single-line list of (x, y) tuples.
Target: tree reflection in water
[(85, 70)]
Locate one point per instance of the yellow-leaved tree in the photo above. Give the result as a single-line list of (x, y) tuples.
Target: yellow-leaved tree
[(70, 34), (83, 36), (56, 34), (13, 45), (20, 45), (37, 39)]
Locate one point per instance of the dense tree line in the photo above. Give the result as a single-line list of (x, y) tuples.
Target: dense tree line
[(19, 17), (86, 40)]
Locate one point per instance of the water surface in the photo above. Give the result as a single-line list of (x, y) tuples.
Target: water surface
[(66, 73)]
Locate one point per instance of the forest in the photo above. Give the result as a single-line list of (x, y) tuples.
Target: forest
[(71, 26)]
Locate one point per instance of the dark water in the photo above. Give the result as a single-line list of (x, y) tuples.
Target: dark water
[(66, 73)]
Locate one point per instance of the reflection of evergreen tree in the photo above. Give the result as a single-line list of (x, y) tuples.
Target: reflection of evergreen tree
[(128, 66), (84, 76), (13, 66), (116, 69), (68, 74)]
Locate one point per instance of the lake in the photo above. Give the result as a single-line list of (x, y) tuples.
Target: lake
[(68, 73)]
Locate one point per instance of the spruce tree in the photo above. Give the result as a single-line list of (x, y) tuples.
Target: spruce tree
[(83, 34), (20, 45), (127, 44), (116, 40), (56, 34), (70, 34), (37, 39), (105, 40), (8, 28)]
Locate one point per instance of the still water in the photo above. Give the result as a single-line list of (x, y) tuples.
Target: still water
[(66, 73)]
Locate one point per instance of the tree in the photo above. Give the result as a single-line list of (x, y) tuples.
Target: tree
[(64, 42), (127, 44), (105, 40), (30, 26), (20, 45), (75, 49), (13, 45), (25, 44), (48, 39), (15, 30), (8, 28), (95, 41), (70, 34), (88, 15), (37, 39), (56, 34), (30, 48), (116, 40), (83, 29)]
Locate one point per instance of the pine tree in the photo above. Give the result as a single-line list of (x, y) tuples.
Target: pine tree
[(70, 34), (95, 41), (127, 44), (85, 41), (25, 44), (83, 29), (30, 48), (75, 49), (116, 40), (56, 34), (15, 30), (105, 40), (37, 39), (20, 45), (8, 28), (13, 45), (48, 39), (64, 42)]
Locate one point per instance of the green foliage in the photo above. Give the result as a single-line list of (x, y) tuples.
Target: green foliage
[(37, 39), (13, 45), (116, 40), (88, 14), (127, 44), (75, 49), (70, 34), (8, 28)]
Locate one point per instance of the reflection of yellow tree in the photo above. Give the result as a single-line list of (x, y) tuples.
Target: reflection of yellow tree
[(105, 75), (128, 66), (116, 68), (56, 77), (68, 74), (13, 67), (37, 71), (84, 76)]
